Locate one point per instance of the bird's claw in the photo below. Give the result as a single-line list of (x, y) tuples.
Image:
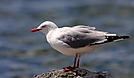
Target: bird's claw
[(69, 68)]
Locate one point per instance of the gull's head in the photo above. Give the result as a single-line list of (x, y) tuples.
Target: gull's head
[(45, 27)]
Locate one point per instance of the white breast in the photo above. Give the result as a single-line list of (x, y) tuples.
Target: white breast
[(65, 48)]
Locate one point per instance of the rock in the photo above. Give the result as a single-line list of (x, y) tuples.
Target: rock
[(76, 73)]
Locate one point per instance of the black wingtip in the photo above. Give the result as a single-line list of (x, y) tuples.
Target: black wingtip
[(124, 37)]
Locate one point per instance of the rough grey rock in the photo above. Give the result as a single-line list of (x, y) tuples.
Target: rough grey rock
[(76, 73)]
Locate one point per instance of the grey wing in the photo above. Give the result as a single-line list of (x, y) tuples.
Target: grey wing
[(83, 26), (82, 36)]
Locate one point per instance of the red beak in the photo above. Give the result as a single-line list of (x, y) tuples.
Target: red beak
[(34, 30)]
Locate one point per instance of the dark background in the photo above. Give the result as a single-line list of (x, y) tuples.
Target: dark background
[(23, 54)]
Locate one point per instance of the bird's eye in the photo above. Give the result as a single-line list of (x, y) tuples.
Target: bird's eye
[(43, 26)]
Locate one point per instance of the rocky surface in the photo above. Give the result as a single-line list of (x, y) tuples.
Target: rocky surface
[(76, 73)]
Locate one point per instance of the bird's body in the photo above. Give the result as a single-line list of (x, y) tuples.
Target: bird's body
[(58, 41), (77, 40)]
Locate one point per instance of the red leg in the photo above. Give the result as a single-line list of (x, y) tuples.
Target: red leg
[(75, 61), (78, 61), (74, 65)]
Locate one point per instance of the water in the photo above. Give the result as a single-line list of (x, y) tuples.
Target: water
[(23, 54)]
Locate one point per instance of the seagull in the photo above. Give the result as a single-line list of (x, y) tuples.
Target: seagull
[(76, 40)]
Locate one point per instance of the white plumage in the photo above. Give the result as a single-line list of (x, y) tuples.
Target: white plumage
[(75, 40)]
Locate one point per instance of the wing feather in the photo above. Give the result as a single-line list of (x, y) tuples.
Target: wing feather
[(81, 36)]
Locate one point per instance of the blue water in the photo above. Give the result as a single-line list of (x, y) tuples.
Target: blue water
[(23, 54)]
